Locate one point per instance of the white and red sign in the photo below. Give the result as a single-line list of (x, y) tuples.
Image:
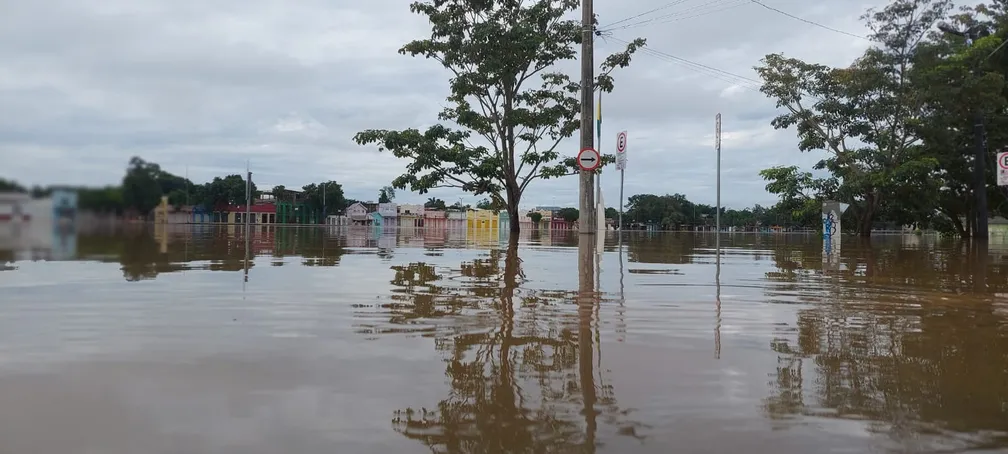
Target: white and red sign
[(588, 159), (1002, 168)]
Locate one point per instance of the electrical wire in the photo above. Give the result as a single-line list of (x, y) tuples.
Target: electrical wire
[(792, 16), (694, 11), (732, 78), (645, 13)]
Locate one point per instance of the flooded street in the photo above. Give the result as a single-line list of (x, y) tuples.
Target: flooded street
[(348, 342)]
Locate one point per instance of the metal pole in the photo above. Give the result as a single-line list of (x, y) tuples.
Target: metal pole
[(587, 193), (621, 204), (598, 176), (979, 162), (248, 199), (717, 215)]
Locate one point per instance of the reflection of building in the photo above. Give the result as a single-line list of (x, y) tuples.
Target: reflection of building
[(456, 220), (338, 219)]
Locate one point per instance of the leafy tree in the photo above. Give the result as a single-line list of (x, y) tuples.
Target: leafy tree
[(487, 204), (11, 186), (435, 203), (862, 115), (386, 194), (496, 51), (611, 213), (141, 190), (332, 202), (535, 217), (568, 214), (800, 202)]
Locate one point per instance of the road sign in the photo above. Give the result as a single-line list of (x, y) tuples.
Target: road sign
[(589, 159), (1002, 168), (621, 143)]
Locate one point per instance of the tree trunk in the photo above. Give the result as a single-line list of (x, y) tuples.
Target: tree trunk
[(514, 220)]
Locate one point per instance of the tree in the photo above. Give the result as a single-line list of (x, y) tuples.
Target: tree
[(11, 186), (229, 190), (956, 82), (863, 116), (568, 214), (326, 198), (496, 50), (799, 191), (435, 203), (535, 217), (487, 204), (141, 190), (611, 213), (386, 194)]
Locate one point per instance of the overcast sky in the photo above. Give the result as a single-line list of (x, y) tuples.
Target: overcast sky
[(85, 84)]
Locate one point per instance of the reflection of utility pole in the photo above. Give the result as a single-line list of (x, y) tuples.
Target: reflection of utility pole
[(587, 300), (979, 146)]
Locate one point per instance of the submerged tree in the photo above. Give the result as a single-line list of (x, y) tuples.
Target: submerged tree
[(864, 116), (505, 89)]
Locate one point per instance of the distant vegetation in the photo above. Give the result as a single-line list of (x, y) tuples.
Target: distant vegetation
[(145, 183)]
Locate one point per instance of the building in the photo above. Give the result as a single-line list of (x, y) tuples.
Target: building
[(456, 220), (260, 212), (358, 214), (435, 219), (411, 215), (504, 220), (481, 219)]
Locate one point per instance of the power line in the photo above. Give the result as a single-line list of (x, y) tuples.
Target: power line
[(700, 10), (764, 5), (732, 78), (667, 5)]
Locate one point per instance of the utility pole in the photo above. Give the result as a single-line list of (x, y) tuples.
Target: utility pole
[(717, 215), (981, 231), (586, 217)]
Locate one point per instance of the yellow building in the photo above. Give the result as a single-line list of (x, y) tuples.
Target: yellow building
[(481, 219)]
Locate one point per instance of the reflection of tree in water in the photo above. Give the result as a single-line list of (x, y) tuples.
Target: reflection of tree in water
[(892, 343), (141, 256), (514, 387)]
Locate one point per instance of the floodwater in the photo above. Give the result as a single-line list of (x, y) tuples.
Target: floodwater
[(358, 342)]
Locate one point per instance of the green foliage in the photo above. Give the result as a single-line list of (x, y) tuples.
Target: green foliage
[(535, 217), (326, 198), (141, 190), (863, 116), (11, 186), (386, 194), (675, 212), (435, 203), (611, 213), (569, 214), (505, 91)]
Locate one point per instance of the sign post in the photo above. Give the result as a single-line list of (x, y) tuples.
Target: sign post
[(831, 212), (1002, 168), (621, 143), (588, 159)]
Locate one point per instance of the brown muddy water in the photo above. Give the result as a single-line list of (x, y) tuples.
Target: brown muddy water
[(410, 342)]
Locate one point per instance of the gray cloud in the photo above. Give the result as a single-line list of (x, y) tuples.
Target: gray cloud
[(209, 86)]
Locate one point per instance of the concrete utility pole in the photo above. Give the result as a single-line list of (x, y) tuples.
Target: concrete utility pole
[(586, 215), (979, 142)]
